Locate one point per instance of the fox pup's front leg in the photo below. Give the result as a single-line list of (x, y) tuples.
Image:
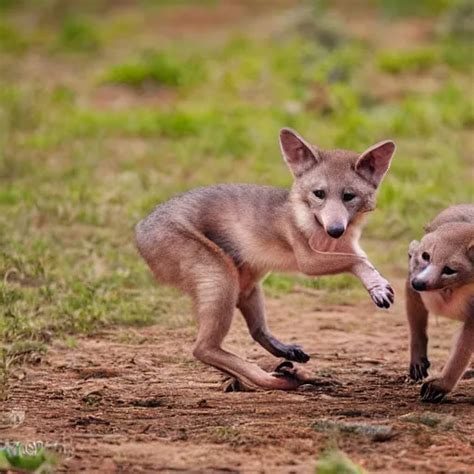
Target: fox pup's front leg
[(418, 322), (378, 287), (251, 304), (434, 390)]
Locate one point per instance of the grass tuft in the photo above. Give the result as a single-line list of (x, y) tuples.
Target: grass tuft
[(416, 60), (11, 40), (403, 8), (336, 462), (157, 68), (18, 457), (78, 34)]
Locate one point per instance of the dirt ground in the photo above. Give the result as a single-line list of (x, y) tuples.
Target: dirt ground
[(136, 400)]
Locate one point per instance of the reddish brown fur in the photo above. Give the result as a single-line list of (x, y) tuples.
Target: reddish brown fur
[(217, 243), (448, 243)]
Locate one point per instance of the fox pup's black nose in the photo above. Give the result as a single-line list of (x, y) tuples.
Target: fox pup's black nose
[(336, 231), (418, 285)]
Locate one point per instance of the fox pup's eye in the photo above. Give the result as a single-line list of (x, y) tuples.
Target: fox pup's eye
[(448, 271), (319, 193), (348, 197), (425, 256)]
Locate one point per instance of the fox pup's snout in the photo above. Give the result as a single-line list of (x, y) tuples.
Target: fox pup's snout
[(331, 214), (336, 231), (423, 282), (418, 284)]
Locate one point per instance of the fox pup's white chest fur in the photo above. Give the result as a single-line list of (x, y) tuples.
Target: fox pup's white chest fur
[(449, 303)]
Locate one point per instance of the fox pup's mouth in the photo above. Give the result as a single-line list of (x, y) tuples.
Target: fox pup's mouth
[(445, 291), (318, 222)]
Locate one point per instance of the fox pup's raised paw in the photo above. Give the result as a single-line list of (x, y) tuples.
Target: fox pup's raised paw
[(433, 391), (419, 370), (382, 294)]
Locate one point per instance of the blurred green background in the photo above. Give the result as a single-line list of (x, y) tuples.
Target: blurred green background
[(110, 107)]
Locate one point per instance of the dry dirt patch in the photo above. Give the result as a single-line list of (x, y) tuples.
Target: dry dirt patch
[(148, 406)]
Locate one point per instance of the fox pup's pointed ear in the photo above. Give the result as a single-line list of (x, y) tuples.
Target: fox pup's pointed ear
[(299, 155), (375, 161)]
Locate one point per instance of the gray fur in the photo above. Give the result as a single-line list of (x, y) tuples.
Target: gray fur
[(216, 244)]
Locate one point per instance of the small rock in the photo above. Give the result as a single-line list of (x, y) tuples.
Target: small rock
[(373, 432), (433, 420)]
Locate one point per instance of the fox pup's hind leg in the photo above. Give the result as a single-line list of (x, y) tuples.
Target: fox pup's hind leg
[(418, 322), (252, 306), (215, 301), (434, 390), (210, 277), (214, 283)]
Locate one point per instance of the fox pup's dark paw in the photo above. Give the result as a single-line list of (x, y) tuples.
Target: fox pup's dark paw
[(287, 369), (433, 391), (382, 295), (419, 370), (307, 381), (296, 354)]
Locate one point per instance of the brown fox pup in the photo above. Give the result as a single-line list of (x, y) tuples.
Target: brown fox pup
[(441, 280), (217, 243)]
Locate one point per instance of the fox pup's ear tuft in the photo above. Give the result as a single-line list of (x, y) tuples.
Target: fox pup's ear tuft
[(375, 161), (299, 155)]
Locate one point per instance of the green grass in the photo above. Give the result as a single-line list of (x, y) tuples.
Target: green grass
[(402, 8), (77, 171), (159, 68), (417, 60), (19, 458), (11, 40), (78, 34), (336, 462)]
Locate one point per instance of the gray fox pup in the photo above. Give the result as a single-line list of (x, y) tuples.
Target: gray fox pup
[(217, 243), (441, 281)]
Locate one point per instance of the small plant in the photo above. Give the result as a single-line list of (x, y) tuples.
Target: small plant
[(5, 373), (416, 60), (433, 420), (78, 34), (336, 462), (11, 40), (227, 434), (18, 457), (375, 433), (400, 8), (14, 355)]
